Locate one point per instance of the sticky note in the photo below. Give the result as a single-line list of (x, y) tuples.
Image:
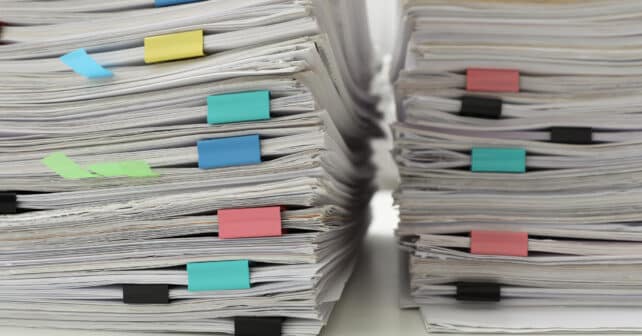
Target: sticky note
[(498, 160), (237, 107), (65, 167), (249, 222), (69, 169), (218, 275), (492, 80), (163, 3), (175, 46), (123, 168), (226, 152), (84, 65), (499, 243)]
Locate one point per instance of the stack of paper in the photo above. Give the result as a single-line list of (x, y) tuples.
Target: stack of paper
[(519, 146), (182, 166)]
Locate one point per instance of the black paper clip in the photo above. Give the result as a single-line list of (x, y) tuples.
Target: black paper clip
[(572, 135), (146, 294), (481, 107), (478, 291), (8, 203), (258, 326)]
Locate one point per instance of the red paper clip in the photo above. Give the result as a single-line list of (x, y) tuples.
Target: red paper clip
[(492, 80), (249, 223), (499, 243)]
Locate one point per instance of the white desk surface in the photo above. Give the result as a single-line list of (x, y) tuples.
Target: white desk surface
[(369, 305)]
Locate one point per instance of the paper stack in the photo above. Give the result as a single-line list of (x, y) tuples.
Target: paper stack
[(519, 146), (182, 166)]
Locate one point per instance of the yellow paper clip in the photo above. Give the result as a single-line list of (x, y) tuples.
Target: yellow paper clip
[(175, 46)]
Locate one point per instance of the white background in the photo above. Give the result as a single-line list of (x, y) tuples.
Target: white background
[(383, 16)]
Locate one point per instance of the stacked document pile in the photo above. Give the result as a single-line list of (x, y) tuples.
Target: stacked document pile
[(182, 166), (519, 144)]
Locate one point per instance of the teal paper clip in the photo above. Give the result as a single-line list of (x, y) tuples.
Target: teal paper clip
[(498, 160), (238, 107), (218, 275)]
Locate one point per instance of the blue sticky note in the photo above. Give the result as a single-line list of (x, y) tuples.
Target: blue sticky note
[(227, 152), (218, 275), (498, 160), (84, 65), (164, 3), (237, 107)]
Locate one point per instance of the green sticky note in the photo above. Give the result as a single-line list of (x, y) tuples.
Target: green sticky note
[(498, 160), (237, 107), (65, 167), (218, 275), (123, 168)]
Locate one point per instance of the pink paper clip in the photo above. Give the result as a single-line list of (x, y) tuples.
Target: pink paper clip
[(249, 223), (499, 243), (492, 80)]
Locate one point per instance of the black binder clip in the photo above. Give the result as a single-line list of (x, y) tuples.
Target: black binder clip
[(2, 24), (481, 107), (258, 326), (478, 291), (146, 294), (572, 135), (8, 203)]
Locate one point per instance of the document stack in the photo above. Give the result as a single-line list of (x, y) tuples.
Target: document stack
[(183, 166), (519, 145)]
